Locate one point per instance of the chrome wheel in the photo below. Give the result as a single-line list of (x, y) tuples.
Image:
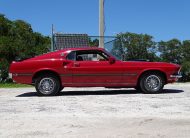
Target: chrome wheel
[(153, 83), (46, 86)]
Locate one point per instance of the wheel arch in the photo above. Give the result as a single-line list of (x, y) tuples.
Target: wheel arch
[(162, 73), (45, 71)]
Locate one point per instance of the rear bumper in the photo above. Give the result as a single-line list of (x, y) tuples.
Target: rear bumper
[(10, 75), (21, 78)]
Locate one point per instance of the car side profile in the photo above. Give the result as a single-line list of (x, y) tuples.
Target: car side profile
[(91, 67)]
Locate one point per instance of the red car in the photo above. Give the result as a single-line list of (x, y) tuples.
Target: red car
[(91, 67)]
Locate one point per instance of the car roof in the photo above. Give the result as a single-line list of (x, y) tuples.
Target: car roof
[(81, 48)]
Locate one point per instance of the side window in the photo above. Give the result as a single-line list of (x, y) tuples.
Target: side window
[(71, 56), (103, 56), (91, 55)]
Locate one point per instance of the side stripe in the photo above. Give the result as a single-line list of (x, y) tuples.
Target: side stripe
[(99, 83), (126, 74), (22, 74)]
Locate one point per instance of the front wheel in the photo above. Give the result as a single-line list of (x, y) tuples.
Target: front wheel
[(138, 88), (47, 85), (152, 83)]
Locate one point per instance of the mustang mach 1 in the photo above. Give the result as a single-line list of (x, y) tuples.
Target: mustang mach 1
[(91, 67)]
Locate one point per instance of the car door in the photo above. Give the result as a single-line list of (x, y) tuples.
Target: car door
[(101, 72)]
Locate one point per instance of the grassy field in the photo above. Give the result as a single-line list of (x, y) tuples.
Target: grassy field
[(13, 85)]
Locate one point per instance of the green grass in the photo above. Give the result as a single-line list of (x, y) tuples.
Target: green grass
[(13, 85)]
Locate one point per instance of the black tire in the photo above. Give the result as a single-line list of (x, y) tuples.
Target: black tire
[(152, 83), (61, 88), (138, 88), (47, 85)]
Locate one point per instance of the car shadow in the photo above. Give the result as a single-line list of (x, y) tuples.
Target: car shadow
[(100, 92)]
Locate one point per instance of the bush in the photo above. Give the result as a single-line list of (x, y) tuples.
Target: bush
[(185, 71), (4, 65)]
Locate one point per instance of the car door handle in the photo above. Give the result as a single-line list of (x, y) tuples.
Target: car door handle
[(76, 64), (65, 63)]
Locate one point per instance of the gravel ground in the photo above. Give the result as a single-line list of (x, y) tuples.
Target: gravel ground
[(96, 113)]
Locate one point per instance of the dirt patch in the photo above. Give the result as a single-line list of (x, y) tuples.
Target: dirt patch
[(96, 112)]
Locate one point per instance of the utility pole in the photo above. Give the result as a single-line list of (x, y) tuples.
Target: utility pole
[(101, 23), (52, 38)]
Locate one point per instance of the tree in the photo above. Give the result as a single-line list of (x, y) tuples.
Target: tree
[(138, 46), (185, 61), (94, 42), (3, 69), (5, 25), (170, 51), (185, 71), (18, 40), (185, 50)]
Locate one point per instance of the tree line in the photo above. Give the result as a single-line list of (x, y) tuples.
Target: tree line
[(18, 40), (143, 46)]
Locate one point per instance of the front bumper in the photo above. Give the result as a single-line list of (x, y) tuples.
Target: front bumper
[(175, 76)]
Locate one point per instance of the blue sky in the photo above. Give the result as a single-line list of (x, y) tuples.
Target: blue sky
[(163, 19)]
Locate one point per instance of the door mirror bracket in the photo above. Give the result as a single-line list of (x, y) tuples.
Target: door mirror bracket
[(111, 60)]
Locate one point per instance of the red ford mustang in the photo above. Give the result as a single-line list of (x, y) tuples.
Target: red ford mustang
[(91, 67)]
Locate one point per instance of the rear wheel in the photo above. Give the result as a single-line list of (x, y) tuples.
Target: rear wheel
[(61, 88), (47, 85), (152, 83)]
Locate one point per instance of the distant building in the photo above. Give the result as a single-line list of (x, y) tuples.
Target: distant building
[(61, 41)]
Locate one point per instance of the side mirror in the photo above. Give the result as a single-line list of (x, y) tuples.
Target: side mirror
[(111, 60)]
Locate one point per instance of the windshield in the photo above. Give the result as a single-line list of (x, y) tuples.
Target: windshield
[(115, 48), (112, 55)]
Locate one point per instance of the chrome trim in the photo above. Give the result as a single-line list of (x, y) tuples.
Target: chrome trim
[(22, 74), (153, 83), (10, 75), (175, 76), (46, 86)]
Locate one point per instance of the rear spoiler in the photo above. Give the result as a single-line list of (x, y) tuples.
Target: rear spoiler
[(18, 59)]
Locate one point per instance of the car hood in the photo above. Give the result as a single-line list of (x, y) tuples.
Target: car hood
[(150, 64)]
